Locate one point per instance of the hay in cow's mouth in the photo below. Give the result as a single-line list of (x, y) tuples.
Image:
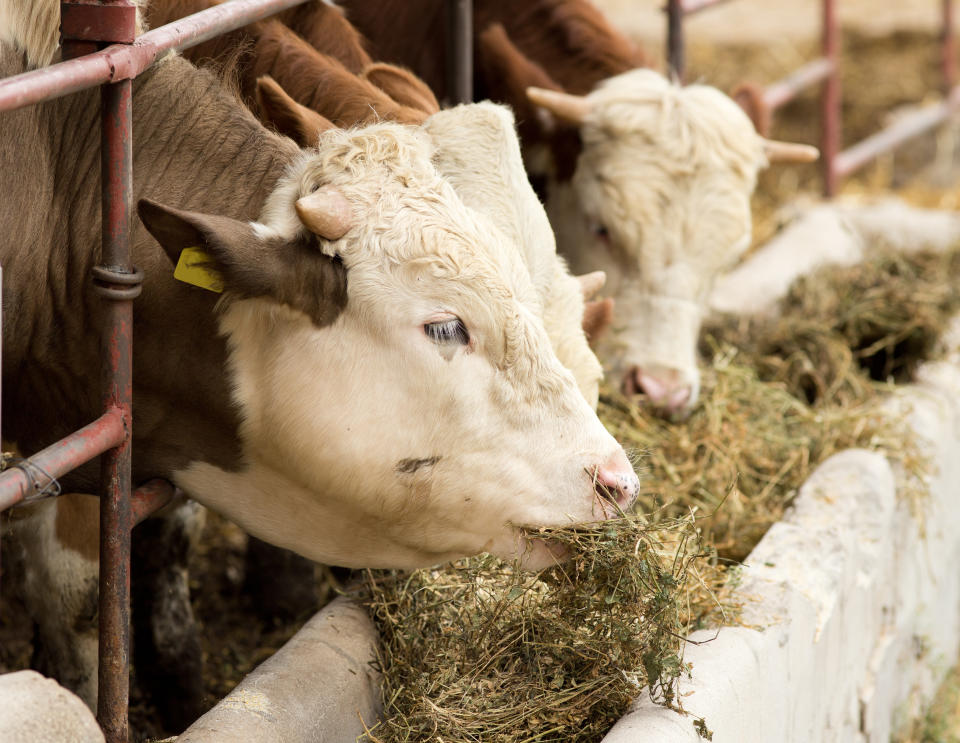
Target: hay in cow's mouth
[(482, 651)]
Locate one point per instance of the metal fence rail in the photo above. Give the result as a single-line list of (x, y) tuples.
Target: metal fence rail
[(825, 70), (99, 49)]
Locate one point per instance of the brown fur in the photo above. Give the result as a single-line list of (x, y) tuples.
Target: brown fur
[(556, 44), (303, 125), (78, 524), (294, 274), (327, 31), (508, 74), (194, 146), (403, 86), (570, 38), (319, 73), (322, 83)]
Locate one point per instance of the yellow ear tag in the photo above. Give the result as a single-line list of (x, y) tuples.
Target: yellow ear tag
[(193, 268)]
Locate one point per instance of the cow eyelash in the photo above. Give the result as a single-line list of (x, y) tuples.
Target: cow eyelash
[(447, 332)]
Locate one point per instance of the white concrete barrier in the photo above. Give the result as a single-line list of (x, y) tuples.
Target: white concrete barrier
[(318, 688), (852, 601), (34, 709), (835, 233)]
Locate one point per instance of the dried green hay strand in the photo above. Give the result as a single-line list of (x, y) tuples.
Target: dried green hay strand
[(883, 317), (484, 651)]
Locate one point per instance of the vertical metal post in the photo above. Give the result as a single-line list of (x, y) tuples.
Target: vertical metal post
[(676, 57), (460, 51), (116, 160), (948, 49), (116, 168), (830, 123)]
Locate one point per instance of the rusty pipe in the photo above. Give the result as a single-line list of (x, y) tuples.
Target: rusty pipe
[(66, 454), (125, 61)]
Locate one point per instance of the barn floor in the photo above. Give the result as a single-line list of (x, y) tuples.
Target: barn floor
[(880, 73)]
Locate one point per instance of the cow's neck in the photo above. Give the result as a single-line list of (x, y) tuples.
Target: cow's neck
[(196, 148)]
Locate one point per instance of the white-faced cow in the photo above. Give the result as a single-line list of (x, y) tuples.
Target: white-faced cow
[(359, 290), (642, 178)]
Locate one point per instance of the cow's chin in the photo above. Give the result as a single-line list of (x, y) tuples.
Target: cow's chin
[(531, 553)]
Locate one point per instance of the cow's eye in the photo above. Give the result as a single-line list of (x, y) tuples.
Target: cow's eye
[(600, 231), (450, 332)]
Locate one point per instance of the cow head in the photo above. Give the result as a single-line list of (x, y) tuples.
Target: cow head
[(660, 200), (416, 412)]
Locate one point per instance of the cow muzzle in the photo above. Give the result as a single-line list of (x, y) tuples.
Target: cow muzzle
[(667, 390), (616, 485)]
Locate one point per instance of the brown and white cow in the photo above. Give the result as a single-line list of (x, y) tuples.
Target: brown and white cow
[(365, 293), (642, 178), (303, 92)]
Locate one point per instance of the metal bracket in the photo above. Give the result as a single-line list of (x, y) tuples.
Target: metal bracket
[(112, 284), (90, 20)]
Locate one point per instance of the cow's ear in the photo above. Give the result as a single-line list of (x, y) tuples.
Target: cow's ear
[(177, 230), (292, 272), (303, 125), (403, 86)]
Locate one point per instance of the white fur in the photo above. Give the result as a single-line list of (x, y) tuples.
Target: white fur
[(477, 150), (330, 413), (669, 172)]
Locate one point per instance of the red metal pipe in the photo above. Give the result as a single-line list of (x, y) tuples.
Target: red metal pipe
[(783, 91), (126, 61), (830, 100), (855, 157), (116, 519), (67, 454), (150, 498), (948, 49)]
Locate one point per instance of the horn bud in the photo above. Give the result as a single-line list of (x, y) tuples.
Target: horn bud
[(789, 152), (572, 108), (591, 283), (325, 212)]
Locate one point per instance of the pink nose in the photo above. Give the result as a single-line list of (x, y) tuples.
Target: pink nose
[(665, 388), (616, 480)]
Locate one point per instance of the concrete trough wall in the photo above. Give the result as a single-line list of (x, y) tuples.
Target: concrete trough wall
[(318, 688)]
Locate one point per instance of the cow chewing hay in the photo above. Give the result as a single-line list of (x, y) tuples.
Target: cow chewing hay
[(482, 651)]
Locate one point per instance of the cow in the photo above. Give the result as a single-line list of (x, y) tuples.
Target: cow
[(359, 289), (303, 91), (642, 178)]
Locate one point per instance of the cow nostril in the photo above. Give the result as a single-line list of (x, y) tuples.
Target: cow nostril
[(631, 381), (617, 486)]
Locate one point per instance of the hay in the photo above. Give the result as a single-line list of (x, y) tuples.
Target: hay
[(882, 317), (485, 652)]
